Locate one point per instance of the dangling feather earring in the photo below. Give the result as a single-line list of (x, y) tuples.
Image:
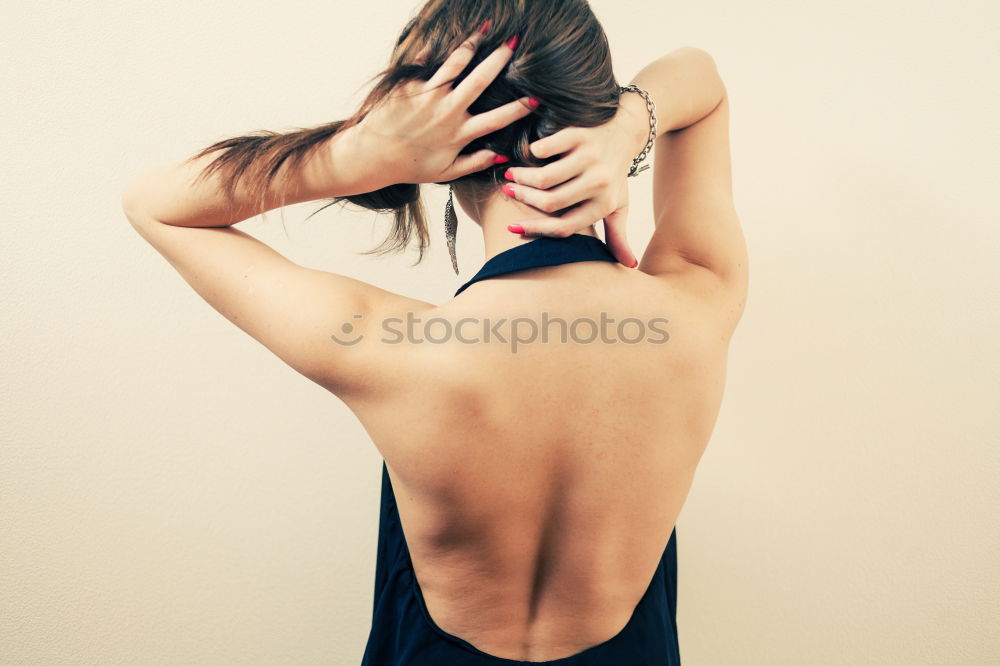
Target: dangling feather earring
[(451, 227)]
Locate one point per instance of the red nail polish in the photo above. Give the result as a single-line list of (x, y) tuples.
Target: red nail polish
[(515, 228), (508, 190), (500, 159), (509, 175), (533, 103), (485, 28), (636, 263), (512, 42)]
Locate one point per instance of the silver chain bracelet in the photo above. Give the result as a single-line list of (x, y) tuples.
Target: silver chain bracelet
[(635, 170)]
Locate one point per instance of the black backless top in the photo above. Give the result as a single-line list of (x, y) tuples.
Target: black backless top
[(403, 632)]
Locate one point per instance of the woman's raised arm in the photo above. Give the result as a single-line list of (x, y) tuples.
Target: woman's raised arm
[(180, 194), (412, 136), (302, 314), (591, 174)]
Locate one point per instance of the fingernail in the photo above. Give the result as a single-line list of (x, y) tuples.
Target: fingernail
[(533, 103), (500, 159), (636, 263), (485, 28), (512, 42), (508, 174), (508, 190), (515, 228)]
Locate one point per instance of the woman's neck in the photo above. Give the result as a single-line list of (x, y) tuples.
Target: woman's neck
[(500, 212)]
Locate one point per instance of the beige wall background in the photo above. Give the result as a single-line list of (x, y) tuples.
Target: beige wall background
[(173, 494)]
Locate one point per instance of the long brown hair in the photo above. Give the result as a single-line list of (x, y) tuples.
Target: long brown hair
[(562, 59)]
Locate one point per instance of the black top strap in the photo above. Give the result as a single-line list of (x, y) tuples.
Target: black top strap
[(543, 251)]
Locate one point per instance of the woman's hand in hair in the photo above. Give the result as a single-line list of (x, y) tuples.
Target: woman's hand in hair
[(591, 177), (419, 129)]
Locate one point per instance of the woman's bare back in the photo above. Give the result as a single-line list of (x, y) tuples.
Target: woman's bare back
[(537, 484)]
